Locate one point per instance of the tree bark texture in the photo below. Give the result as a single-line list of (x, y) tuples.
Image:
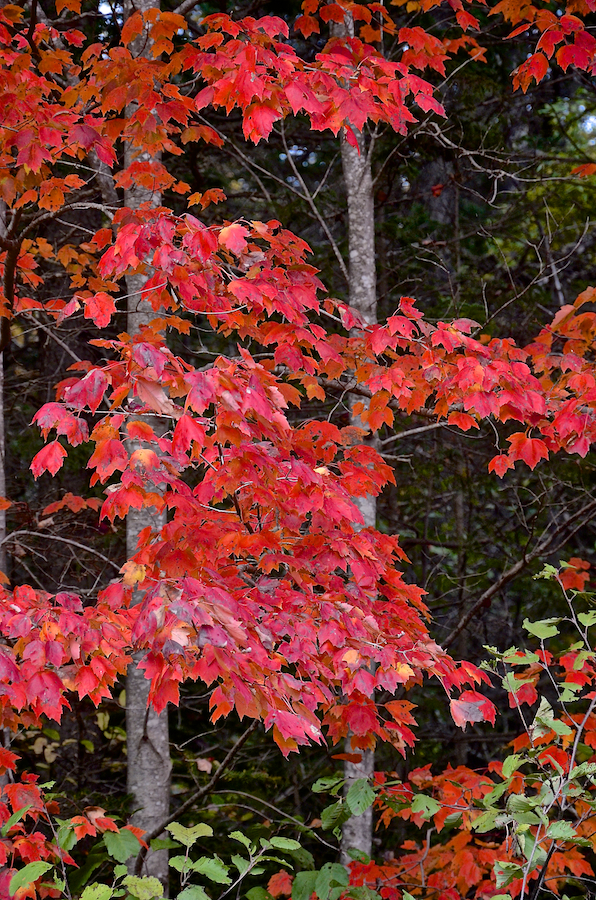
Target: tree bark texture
[(148, 760), (356, 164)]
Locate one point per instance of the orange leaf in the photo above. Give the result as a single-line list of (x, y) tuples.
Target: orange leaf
[(132, 28), (280, 884)]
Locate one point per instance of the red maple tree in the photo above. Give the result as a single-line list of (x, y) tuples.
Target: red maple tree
[(259, 584)]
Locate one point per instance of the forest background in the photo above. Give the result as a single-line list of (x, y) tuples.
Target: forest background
[(474, 197)]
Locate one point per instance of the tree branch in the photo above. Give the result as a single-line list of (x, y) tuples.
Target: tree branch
[(186, 6), (543, 545), (62, 540)]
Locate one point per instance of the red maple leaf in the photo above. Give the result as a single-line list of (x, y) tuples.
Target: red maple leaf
[(100, 308), (530, 450), (49, 459), (472, 707), (233, 237)]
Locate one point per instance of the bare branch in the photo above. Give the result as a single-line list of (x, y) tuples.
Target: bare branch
[(544, 545), (62, 540)]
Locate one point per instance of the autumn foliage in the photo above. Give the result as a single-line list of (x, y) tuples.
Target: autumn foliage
[(261, 584)]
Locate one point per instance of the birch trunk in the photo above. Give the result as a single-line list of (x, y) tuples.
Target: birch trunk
[(356, 163), (148, 747)]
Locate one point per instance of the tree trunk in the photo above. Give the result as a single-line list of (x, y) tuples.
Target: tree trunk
[(356, 163), (148, 748)]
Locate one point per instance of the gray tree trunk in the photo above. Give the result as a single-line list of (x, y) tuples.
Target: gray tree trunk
[(148, 746), (356, 163)]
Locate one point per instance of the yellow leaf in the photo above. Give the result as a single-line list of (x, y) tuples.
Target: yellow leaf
[(133, 573), (352, 658)]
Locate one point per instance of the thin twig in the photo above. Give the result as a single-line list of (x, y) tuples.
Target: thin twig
[(315, 210), (57, 340), (62, 540), (543, 545), (410, 432)]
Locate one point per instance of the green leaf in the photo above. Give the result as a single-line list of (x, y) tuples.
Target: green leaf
[(66, 837), (26, 876), (181, 863), (212, 868), (547, 572), (516, 657), (570, 690), (331, 875), (580, 659), (258, 893), (16, 817), (532, 850), (359, 855), (587, 618), (561, 831), (360, 796), (97, 892), (511, 764), (281, 843), (189, 836), (193, 892), (241, 863), (512, 683), (586, 768), (277, 859), (485, 822), (121, 845), (517, 803), (144, 887), (544, 721), (527, 818), (333, 815), (496, 793), (453, 819), (330, 784), (560, 728), (164, 844), (428, 806), (505, 872), (303, 885), (363, 892), (238, 836), (544, 628), (303, 858)]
